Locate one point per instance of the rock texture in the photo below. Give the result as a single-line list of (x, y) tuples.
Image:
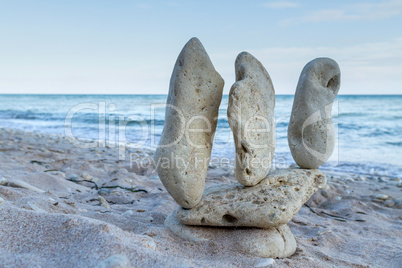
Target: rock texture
[(251, 118), (191, 116), (271, 203), (311, 133), (276, 242)]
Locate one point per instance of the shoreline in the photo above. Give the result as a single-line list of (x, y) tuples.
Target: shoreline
[(113, 208)]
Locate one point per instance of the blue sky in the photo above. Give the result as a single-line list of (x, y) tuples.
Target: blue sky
[(130, 47)]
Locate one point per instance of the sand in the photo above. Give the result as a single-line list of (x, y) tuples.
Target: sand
[(86, 208)]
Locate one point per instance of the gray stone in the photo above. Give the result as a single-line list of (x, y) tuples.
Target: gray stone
[(73, 177), (324, 193), (251, 118), (104, 191), (103, 202), (382, 179), (3, 181), (276, 242), (311, 133), (184, 151), (389, 203), (380, 196), (271, 203), (398, 203)]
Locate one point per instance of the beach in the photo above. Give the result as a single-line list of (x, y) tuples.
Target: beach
[(63, 205), (201, 134)]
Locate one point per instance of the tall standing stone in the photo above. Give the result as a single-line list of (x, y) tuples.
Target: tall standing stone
[(311, 133), (184, 151), (251, 118)]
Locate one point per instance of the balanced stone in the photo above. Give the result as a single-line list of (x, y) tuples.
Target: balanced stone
[(192, 108), (271, 203), (251, 118), (277, 242), (311, 133)]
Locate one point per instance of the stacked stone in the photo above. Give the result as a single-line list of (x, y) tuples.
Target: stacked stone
[(264, 201)]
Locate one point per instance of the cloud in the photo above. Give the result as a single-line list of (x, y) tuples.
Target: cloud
[(281, 4), (351, 12), (367, 68)]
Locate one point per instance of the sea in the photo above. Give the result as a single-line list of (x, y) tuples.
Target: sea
[(368, 127)]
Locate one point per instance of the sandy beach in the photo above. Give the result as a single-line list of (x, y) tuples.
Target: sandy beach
[(64, 206)]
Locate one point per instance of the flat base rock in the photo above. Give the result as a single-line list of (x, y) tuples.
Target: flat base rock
[(271, 203), (277, 242)]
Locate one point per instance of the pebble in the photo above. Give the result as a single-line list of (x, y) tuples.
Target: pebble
[(381, 179), (1, 200), (88, 177), (73, 177), (360, 178), (389, 203), (398, 203), (324, 193), (380, 196), (338, 198), (349, 180), (395, 179), (265, 262), (3, 181), (53, 201), (128, 213), (103, 202), (104, 191)]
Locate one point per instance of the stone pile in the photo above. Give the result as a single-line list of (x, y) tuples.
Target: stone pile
[(255, 211)]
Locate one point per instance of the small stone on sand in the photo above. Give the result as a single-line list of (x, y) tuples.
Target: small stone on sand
[(3, 181), (103, 202)]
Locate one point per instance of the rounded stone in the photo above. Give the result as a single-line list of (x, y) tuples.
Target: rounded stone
[(311, 133), (389, 203), (276, 242), (3, 181)]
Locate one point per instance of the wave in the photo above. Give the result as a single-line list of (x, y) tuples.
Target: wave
[(394, 143), (88, 118), (351, 114)]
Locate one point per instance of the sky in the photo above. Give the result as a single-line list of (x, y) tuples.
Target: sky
[(130, 47)]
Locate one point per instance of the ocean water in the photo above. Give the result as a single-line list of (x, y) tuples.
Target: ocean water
[(369, 128)]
